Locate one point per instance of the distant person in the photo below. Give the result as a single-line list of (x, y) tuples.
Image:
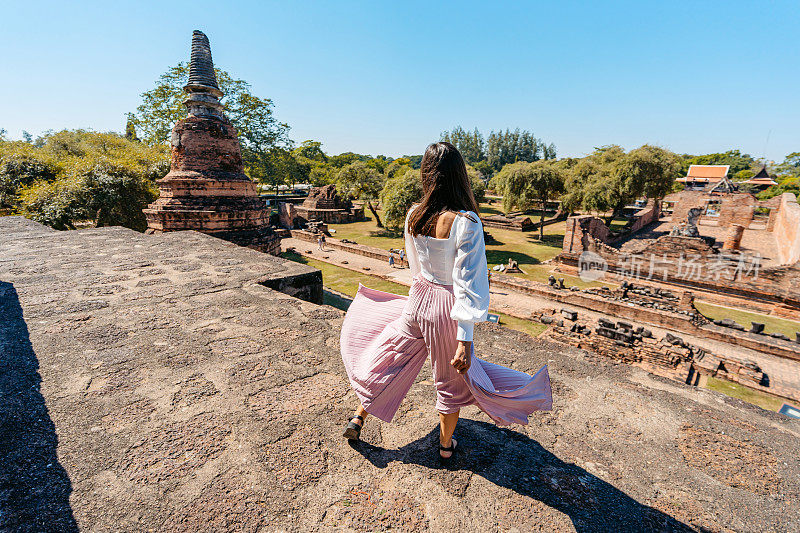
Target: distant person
[(321, 241), (384, 344), (391, 260), (402, 255)]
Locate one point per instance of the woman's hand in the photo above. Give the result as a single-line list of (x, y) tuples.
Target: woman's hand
[(462, 358)]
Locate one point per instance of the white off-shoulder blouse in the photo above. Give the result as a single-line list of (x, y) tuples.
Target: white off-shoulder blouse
[(460, 260)]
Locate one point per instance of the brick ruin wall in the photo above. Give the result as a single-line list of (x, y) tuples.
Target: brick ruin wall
[(673, 310), (669, 356), (329, 216), (647, 215), (786, 225), (675, 259), (578, 228), (734, 208), (690, 262)]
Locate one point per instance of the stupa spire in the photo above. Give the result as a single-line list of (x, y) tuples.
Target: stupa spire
[(202, 88)]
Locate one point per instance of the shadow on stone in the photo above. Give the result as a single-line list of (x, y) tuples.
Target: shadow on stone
[(34, 487), (512, 460)]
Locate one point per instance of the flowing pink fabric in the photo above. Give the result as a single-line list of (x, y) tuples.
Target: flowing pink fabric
[(386, 338)]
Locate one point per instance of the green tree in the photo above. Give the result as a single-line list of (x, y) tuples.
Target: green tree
[(477, 183), (21, 165), (130, 129), (275, 167), (80, 176), (361, 181), (524, 185), (504, 147), (469, 143), (609, 179), (484, 168), (311, 150), (252, 117), (736, 160), (414, 160), (398, 194), (790, 165)]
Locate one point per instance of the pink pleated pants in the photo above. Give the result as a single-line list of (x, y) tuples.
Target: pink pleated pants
[(386, 339)]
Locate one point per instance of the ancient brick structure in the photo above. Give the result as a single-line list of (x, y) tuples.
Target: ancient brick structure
[(785, 224), (734, 239), (326, 205), (206, 189), (690, 259), (580, 229), (725, 207), (518, 223), (670, 356), (647, 215)]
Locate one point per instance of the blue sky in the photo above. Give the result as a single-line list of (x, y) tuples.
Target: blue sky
[(389, 77)]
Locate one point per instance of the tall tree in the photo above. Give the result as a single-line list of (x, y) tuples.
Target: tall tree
[(311, 150), (252, 116), (361, 181), (524, 185), (398, 194), (504, 147), (469, 143), (130, 129), (609, 179)]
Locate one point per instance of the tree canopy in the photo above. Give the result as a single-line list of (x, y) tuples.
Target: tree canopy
[(524, 185), (608, 179), (252, 116), (76, 176), (399, 193), (490, 153), (735, 159)]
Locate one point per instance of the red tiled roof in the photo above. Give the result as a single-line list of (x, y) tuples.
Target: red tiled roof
[(711, 172)]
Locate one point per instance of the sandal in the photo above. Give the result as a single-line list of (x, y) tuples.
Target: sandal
[(353, 430), (451, 449)]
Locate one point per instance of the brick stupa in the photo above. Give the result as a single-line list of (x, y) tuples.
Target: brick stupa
[(206, 189)]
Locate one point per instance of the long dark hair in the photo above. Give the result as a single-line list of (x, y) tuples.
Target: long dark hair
[(445, 187)]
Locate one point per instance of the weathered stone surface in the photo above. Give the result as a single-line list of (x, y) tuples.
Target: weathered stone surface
[(218, 406)]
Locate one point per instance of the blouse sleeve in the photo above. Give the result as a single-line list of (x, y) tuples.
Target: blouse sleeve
[(411, 250), (470, 277)]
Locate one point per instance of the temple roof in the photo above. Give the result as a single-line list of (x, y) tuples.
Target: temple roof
[(762, 178), (705, 173)]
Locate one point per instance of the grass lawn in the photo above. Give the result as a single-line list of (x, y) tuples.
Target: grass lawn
[(346, 281), (744, 318), (761, 399)]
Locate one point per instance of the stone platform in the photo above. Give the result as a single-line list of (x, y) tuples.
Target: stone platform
[(155, 383)]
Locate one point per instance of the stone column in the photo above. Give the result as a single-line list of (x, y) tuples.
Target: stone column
[(734, 238)]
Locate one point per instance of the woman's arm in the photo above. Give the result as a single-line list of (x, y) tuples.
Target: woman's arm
[(470, 276)]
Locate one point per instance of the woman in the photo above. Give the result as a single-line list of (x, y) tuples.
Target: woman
[(386, 338)]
